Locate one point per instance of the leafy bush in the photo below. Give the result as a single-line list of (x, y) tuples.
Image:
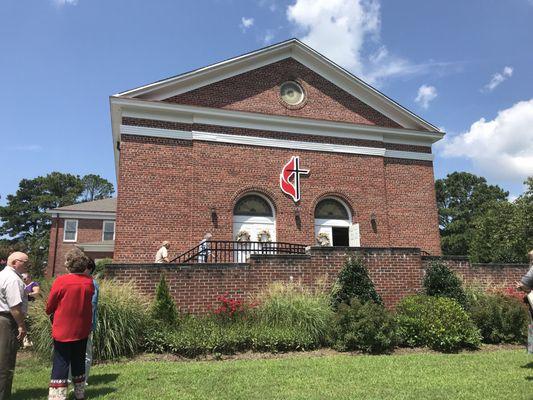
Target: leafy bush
[(100, 267), (292, 306), (437, 322), (500, 318), (122, 320), (164, 308), (368, 327), (231, 309), (353, 282), (441, 281)]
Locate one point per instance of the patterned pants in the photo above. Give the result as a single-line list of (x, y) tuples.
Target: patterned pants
[(68, 355)]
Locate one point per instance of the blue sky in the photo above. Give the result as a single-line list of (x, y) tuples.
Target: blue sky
[(465, 66)]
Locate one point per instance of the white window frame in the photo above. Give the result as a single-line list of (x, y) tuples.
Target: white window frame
[(65, 231), (103, 228)]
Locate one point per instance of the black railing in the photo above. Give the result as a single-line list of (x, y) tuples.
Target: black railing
[(219, 251)]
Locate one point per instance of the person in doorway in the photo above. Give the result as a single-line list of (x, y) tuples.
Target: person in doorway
[(204, 250), (13, 309), (161, 256), (70, 302)]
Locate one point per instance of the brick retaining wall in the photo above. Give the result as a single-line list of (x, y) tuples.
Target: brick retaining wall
[(396, 272)]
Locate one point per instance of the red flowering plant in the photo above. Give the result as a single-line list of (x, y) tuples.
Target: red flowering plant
[(231, 309), (511, 292)]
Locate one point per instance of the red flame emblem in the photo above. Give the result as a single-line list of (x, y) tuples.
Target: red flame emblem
[(289, 179)]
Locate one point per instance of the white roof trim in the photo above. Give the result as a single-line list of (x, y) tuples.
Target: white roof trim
[(161, 111), (277, 143), (294, 49), (82, 214)]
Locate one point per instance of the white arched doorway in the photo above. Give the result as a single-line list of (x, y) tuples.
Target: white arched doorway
[(333, 224), (253, 214)]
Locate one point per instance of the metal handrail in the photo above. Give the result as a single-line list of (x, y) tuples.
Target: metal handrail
[(225, 251)]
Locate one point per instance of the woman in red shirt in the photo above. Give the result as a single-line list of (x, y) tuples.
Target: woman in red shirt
[(70, 303)]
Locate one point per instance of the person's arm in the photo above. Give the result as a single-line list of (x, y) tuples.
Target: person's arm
[(35, 292), (526, 283), (53, 298), (18, 315), (165, 256)]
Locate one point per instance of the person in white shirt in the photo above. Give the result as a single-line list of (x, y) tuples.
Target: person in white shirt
[(161, 256), (13, 309), (204, 250)]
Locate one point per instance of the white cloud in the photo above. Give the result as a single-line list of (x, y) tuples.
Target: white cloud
[(26, 147), (61, 3), (269, 36), (425, 95), (497, 79), (501, 148), (348, 32), (246, 23)]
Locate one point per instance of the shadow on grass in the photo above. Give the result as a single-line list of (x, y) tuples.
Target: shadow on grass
[(102, 379), (42, 393), (528, 365), (27, 394)]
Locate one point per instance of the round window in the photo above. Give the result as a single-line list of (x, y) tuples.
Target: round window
[(291, 93)]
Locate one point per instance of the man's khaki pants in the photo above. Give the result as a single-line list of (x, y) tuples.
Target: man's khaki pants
[(8, 353)]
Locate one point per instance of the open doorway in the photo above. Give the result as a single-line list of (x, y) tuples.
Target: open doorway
[(340, 236)]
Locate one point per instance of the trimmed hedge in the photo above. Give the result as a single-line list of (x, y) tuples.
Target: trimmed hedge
[(437, 322), (500, 318), (367, 327)]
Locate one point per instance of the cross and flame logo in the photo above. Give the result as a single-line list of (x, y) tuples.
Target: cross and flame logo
[(289, 179)]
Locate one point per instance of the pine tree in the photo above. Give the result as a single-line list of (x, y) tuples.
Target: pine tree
[(164, 308), (354, 282)]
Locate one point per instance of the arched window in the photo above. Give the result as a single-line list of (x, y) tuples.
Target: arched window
[(331, 209), (253, 205)]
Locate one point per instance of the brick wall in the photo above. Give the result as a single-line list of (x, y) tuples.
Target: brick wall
[(89, 230), (168, 187), (396, 272), (485, 274)]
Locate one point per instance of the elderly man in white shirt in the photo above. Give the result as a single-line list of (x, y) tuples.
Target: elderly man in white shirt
[(13, 309), (162, 254)]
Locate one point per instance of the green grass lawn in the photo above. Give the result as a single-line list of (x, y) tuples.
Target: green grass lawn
[(498, 375)]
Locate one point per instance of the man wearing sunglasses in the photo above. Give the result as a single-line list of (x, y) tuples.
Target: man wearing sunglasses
[(13, 309)]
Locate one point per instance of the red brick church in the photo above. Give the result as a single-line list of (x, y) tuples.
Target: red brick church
[(204, 151)]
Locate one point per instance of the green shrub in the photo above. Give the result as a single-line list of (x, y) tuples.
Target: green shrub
[(122, 320), (500, 318), (354, 282), (100, 267), (442, 281), (368, 327), (291, 306), (164, 308), (437, 322)]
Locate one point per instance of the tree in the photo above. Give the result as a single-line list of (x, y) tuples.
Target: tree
[(460, 197), (440, 280), (504, 232), (354, 282), (25, 212), (96, 188), (164, 308)]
